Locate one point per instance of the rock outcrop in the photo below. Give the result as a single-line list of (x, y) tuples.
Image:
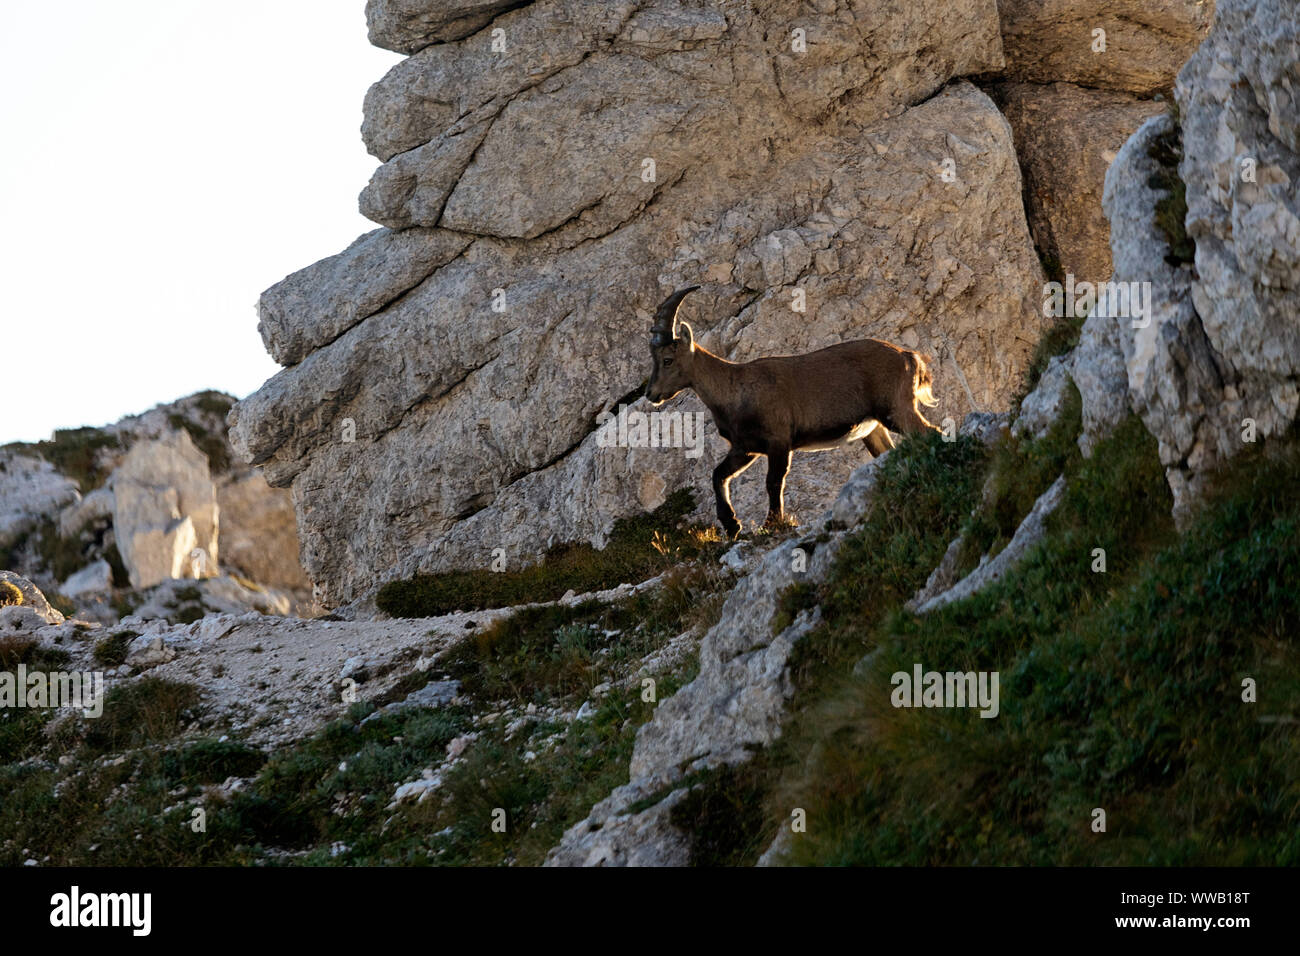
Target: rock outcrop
[(734, 706), (32, 598), (991, 570), (1142, 45), (807, 166), (29, 489), (1216, 365), (165, 510)]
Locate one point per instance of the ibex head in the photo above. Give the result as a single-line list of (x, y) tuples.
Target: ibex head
[(672, 345)]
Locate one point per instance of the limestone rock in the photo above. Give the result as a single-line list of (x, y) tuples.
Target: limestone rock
[(471, 401), (165, 506), (32, 598), (1240, 109), (179, 599), (426, 94), (738, 699), (855, 497), (19, 619), (1066, 137), (94, 507), (1098, 371), (1146, 41), (1192, 396), (95, 578), (778, 850), (991, 570), (986, 427), (408, 25), (159, 552), (647, 838), (316, 305), (30, 490), (733, 706), (1041, 407), (941, 579), (148, 651), (259, 532)]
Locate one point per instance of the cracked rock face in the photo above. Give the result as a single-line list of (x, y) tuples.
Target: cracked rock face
[(1066, 138), (1220, 360), (444, 374), (1146, 41)]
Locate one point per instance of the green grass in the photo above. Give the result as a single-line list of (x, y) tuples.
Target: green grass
[(111, 650), (22, 729), (556, 651), (75, 452), (1019, 471), (214, 403), (1119, 690), (147, 711), (639, 547), (210, 761), (15, 650)]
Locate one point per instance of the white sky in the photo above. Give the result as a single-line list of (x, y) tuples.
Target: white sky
[(161, 163)]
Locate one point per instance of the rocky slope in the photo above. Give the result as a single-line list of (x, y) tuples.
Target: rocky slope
[(684, 718), (102, 517)]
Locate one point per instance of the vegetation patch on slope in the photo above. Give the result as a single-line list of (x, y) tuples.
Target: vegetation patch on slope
[(523, 769), (1120, 690), (75, 452), (1019, 471), (639, 547)]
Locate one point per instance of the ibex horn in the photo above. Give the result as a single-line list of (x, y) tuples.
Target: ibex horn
[(664, 329)]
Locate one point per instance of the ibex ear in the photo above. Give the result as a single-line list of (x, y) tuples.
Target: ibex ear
[(686, 335)]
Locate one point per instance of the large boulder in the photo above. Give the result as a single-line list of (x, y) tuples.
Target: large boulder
[(1145, 41), (165, 510), (1066, 138), (95, 578)]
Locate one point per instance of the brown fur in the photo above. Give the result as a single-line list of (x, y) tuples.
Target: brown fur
[(778, 405)]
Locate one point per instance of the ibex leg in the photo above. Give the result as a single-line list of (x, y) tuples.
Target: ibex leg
[(735, 462)]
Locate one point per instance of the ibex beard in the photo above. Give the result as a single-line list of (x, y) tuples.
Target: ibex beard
[(783, 404)]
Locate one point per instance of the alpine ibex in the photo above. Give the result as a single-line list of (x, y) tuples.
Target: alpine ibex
[(779, 405)]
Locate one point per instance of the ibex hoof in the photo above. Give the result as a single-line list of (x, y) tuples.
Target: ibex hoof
[(732, 528), (776, 522)]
